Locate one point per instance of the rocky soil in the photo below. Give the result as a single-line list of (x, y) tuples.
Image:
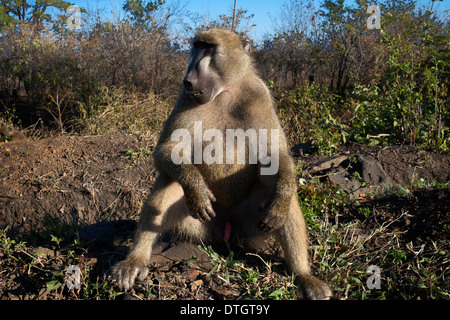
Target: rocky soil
[(90, 190)]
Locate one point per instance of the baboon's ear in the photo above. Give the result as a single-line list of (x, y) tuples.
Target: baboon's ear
[(246, 43)]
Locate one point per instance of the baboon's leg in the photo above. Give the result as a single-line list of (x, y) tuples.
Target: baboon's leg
[(293, 237), (165, 208)]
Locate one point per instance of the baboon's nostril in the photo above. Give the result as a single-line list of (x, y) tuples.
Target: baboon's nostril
[(187, 84)]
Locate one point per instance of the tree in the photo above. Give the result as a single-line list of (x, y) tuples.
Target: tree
[(294, 52), (141, 12), (339, 36), (34, 12)]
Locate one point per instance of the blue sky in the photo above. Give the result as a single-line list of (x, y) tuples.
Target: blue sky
[(264, 10)]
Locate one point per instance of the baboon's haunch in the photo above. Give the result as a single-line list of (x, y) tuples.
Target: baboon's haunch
[(223, 200)]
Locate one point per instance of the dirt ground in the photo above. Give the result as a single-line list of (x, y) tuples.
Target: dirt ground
[(80, 180), (95, 186)]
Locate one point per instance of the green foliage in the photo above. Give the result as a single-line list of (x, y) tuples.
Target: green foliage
[(376, 86), (409, 102), (36, 12), (141, 154), (257, 284), (330, 135), (141, 12), (322, 123), (343, 251), (321, 199), (228, 265)]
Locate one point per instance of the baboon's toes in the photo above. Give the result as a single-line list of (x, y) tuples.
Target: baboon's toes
[(311, 288), (126, 272)]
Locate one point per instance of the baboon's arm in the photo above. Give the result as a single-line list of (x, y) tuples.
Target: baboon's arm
[(277, 206), (198, 196)]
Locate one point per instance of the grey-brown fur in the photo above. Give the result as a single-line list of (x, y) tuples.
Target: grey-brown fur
[(199, 199)]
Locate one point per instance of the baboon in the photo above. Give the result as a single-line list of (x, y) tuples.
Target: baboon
[(11, 134), (223, 200)]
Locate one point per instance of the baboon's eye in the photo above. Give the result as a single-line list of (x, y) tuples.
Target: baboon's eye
[(209, 51), (207, 47), (201, 44)]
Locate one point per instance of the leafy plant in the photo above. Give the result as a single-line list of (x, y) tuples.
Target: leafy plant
[(407, 103), (322, 123), (142, 153), (220, 264), (321, 199)]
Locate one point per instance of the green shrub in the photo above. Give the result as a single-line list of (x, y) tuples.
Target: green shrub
[(312, 113), (409, 103)]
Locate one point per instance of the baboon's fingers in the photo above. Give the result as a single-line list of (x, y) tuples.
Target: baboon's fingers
[(264, 224), (202, 209), (263, 227), (200, 214), (199, 204), (207, 213), (197, 216), (117, 275), (204, 215), (270, 222), (129, 277), (211, 195), (210, 211)]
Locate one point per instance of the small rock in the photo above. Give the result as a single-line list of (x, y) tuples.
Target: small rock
[(44, 252), (191, 274), (332, 162), (300, 149), (196, 284)]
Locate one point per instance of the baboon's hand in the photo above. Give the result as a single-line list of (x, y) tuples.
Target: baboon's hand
[(125, 273), (274, 214), (199, 203), (311, 288)]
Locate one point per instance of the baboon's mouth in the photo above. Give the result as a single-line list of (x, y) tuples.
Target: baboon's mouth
[(197, 93)]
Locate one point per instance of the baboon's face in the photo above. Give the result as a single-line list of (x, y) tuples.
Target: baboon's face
[(202, 81)]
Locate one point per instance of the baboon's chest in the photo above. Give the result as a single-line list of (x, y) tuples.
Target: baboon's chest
[(229, 183)]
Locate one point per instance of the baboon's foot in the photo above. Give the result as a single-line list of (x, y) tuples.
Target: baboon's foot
[(311, 288), (126, 272)]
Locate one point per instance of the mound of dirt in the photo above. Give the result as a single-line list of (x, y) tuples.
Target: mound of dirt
[(425, 214), (96, 186), (85, 180), (74, 180)]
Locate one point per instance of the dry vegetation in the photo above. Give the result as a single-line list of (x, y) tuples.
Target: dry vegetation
[(357, 87)]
